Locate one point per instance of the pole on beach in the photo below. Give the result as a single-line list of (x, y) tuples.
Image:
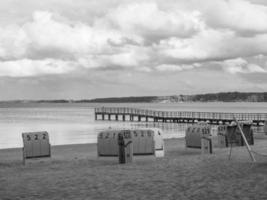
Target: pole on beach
[(245, 139), (125, 144)]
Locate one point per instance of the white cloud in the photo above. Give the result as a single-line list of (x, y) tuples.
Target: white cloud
[(46, 38), (13, 42), (240, 65), (138, 35), (208, 44), (255, 68), (76, 38), (169, 67), (45, 34), (239, 15), (26, 67), (150, 21), (126, 57), (211, 44)]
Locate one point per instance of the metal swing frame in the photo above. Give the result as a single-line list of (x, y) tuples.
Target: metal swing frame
[(245, 140)]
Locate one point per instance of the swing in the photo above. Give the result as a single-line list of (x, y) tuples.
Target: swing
[(251, 152), (245, 140)]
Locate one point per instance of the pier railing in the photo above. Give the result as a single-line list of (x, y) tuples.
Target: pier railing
[(185, 115)]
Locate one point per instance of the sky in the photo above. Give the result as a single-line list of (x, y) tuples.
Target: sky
[(83, 49)]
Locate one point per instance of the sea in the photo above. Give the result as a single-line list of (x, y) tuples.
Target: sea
[(74, 123)]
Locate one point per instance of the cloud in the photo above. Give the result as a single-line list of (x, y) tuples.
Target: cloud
[(211, 44), (13, 42), (169, 67), (240, 15), (142, 36), (240, 65), (74, 38), (26, 67), (46, 39), (45, 34), (152, 22)]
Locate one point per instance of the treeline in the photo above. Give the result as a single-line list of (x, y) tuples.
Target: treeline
[(209, 97), (143, 99), (53, 101), (231, 97)]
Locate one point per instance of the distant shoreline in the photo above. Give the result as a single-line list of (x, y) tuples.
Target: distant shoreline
[(210, 97), (128, 102)]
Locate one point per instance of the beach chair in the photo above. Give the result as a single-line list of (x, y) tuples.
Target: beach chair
[(35, 145), (146, 141)]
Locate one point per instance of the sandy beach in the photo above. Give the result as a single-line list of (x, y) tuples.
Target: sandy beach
[(75, 172)]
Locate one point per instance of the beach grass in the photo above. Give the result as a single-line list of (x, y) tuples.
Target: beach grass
[(75, 172)]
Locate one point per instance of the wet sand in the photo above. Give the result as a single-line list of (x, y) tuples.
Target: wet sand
[(75, 172)]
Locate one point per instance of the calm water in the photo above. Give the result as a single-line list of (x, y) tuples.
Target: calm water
[(74, 123)]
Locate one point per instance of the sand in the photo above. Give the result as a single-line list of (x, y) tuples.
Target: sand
[(75, 172)]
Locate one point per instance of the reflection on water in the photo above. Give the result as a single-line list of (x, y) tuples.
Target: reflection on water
[(74, 123)]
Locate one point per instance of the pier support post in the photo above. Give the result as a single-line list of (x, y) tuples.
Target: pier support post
[(109, 117), (95, 116), (116, 117), (103, 116), (146, 119), (139, 118), (123, 117)]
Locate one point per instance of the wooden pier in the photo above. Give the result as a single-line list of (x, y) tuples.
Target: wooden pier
[(139, 115)]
